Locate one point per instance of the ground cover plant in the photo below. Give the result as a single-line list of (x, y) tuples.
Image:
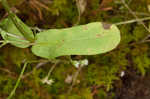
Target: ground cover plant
[(73, 53)]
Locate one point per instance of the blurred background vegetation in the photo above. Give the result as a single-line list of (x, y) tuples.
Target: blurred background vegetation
[(102, 78)]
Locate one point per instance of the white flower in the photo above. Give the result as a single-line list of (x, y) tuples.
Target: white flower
[(84, 62), (122, 73), (76, 63), (47, 81)]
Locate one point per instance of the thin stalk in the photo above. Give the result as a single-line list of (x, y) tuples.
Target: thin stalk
[(132, 21), (18, 81), (12, 17), (51, 69), (73, 81)]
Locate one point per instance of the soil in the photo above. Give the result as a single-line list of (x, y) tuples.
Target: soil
[(133, 86)]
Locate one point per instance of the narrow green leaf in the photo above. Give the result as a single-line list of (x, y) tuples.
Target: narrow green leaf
[(90, 39), (11, 33), (23, 29)]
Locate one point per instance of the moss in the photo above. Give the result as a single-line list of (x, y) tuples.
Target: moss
[(28, 94), (103, 70), (6, 84)]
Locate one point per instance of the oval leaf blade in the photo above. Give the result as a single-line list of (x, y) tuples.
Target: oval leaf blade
[(90, 39)]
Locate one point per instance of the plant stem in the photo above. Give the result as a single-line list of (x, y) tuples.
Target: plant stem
[(12, 16), (74, 79), (132, 21), (52, 68), (18, 81)]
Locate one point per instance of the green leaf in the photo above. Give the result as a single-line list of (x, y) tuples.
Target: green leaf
[(90, 39), (11, 34)]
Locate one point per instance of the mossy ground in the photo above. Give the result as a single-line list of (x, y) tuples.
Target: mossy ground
[(101, 78)]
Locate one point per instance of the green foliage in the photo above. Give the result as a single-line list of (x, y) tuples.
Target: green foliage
[(141, 58), (59, 42), (102, 75), (11, 34), (29, 94), (94, 4), (58, 6), (90, 39), (103, 70), (84, 94), (6, 84), (102, 94), (139, 33)]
